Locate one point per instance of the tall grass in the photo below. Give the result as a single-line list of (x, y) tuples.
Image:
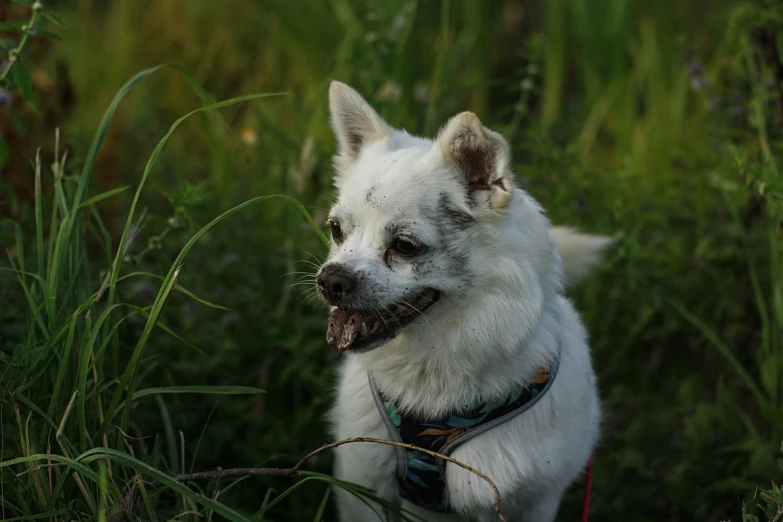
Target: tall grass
[(66, 402)]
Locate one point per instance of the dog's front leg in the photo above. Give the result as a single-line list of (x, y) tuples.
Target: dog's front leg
[(363, 464), (371, 465)]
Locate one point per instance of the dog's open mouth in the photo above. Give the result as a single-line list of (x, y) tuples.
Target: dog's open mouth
[(363, 330)]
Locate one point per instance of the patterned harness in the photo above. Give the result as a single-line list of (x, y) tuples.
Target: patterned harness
[(421, 476)]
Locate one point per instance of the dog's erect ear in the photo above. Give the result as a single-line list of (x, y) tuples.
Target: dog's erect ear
[(481, 155), (354, 121)]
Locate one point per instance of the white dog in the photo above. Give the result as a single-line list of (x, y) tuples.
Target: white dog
[(445, 282)]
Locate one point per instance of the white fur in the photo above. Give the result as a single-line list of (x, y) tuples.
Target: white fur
[(578, 252), (500, 316)]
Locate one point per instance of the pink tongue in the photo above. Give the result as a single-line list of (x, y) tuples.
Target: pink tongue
[(343, 329), (350, 331)]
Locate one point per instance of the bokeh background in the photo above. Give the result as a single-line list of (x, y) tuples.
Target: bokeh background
[(655, 121)]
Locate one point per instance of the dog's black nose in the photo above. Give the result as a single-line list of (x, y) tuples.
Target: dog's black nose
[(335, 282)]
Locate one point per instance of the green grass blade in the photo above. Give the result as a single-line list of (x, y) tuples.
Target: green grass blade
[(169, 282), (203, 390), (142, 312), (34, 407), (199, 390), (102, 491), (64, 368), (103, 127), (167, 480), (128, 377), (39, 215), (102, 196), (77, 466), (39, 516), (28, 294), (319, 515), (84, 369), (115, 269), (64, 234), (168, 428), (750, 383), (201, 437), (178, 288), (147, 502)]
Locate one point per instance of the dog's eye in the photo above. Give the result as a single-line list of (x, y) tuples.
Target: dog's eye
[(337, 231), (405, 247)]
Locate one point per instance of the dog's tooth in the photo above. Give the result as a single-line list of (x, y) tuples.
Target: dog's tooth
[(364, 328)]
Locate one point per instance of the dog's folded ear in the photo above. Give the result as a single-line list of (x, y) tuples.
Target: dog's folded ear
[(354, 121), (482, 156)]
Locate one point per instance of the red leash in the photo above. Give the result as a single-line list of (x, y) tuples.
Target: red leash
[(588, 487)]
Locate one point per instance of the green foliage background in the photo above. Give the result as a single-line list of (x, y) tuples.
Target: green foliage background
[(659, 122)]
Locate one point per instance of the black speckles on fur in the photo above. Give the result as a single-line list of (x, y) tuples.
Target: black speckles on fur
[(453, 222), (369, 196), (422, 265), (452, 218), (458, 260)]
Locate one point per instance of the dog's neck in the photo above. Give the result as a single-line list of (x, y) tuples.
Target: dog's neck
[(446, 370), (479, 343)]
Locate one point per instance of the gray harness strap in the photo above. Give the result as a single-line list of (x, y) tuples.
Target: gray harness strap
[(421, 476)]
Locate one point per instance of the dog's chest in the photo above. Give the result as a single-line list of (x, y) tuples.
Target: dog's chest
[(420, 473)]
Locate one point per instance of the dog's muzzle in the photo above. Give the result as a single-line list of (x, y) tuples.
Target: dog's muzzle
[(335, 283)]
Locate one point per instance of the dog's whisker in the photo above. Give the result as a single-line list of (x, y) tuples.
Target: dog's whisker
[(382, 319), (403, 302), (301, 276), (301, 282), (318, 259), (310, 297), (305, 284)]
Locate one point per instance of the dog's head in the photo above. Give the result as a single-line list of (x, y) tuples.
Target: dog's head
[(420, 228)]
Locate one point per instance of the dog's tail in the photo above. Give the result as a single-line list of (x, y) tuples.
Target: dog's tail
[(579, 252)]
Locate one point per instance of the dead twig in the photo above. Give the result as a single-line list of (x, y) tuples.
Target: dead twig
[(295, 472), (239, 472)]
